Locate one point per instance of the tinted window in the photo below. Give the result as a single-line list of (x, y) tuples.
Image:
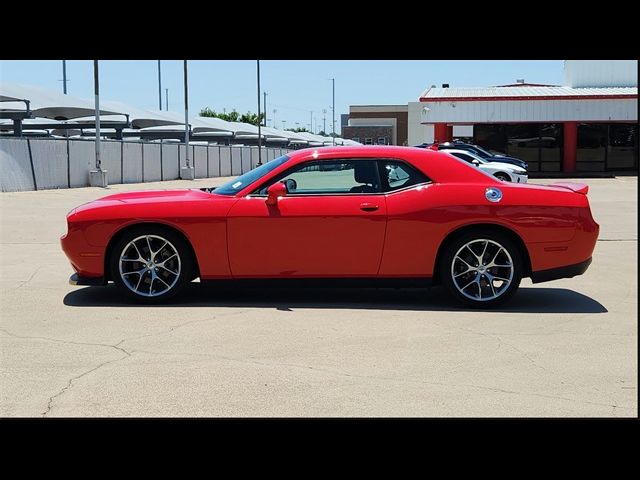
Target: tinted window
[(395, 175), (330, 177), (523, 142), (237, 184), (623, 146), (551, 147), (463, 156), (592, 143)]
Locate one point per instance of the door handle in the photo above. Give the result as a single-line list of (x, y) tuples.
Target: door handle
[(369, 207)]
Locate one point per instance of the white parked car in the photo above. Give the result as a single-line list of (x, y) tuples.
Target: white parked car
[(506, 172)]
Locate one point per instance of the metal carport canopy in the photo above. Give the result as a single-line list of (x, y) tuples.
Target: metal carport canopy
[(48, 103)]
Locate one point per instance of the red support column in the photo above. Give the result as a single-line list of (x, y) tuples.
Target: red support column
[(449, 133), (440, 132), (570, 147)]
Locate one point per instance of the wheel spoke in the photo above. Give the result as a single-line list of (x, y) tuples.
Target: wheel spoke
[(139, 272), (159, 250), (486, 244), (149, 245), (160, 278), (491, 263), (165, 268), (139, 281), (161, 264), (493, 291), (471, 267), (136, 247), (470, 283)]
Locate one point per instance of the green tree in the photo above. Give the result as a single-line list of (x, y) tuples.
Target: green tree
[(297, 130), (232, 116), (253, 118)]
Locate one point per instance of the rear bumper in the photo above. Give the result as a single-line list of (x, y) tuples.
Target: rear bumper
[(76, 279), (561, 272)]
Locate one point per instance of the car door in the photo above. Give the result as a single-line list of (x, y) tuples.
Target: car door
[(414, 223), (331, 223)]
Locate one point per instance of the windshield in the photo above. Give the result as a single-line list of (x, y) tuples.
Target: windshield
[(237, 184), (482, 152)]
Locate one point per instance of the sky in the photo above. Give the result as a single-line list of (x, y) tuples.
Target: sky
[(295, 88)]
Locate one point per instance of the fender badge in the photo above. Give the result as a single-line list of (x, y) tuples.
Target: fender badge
[(493, 194)]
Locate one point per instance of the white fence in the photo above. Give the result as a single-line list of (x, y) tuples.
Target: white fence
[(44, 163)]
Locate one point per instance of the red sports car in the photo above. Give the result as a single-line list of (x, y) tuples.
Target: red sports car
[(370, 215)]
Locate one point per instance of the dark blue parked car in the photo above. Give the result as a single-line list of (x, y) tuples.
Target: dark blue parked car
[(481, 152)]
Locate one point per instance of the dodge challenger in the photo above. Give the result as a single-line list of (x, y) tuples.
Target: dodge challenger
[(365, 215)]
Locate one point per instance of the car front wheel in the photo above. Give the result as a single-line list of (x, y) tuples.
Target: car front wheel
[(481, 269), (502, 176), (151, 264)]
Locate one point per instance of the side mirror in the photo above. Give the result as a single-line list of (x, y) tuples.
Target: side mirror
[(274, 192)]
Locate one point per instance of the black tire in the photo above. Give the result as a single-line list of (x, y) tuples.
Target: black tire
[(158, 291), (482, 283), (502, 176)]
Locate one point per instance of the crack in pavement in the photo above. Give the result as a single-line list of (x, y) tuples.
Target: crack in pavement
[(70, 382), (376, 377), (23, 283), (617, 239), (501, 341), (71, 342), (58, 340), (173, 328)]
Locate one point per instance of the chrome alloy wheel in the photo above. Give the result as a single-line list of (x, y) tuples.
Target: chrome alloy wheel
[(482, 270), (149, 265)]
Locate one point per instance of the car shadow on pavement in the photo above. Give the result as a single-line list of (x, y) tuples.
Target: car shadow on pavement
[(526, 300)]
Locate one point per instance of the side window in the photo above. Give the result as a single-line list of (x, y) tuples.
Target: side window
[(463, 156), (330, 177), (395, 175)]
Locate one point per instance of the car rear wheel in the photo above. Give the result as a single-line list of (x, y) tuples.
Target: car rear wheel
[(151, 264), (502, 176), (482, 268)]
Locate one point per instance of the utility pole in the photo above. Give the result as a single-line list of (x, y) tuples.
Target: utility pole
[(64, 76), (259, 122), (274, 118), (324, 120), (166, 99), (187, 172), (159, 87), (311, 124), (333, 82), (265, 108), (283, 122), (97, 177)]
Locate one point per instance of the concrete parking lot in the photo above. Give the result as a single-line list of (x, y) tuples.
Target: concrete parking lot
[(563, 348)]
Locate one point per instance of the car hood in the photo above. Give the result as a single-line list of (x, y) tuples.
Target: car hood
[(156, 195), (147, 198), (504, 159), (507, 166)]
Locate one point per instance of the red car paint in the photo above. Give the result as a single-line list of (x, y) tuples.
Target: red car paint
[(396, 234)]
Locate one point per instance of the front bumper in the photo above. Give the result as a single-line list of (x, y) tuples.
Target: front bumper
[(519, 178), (76, 279), (560, 272)]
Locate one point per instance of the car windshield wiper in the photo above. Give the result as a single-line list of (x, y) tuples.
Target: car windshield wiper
[(208, 189)]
